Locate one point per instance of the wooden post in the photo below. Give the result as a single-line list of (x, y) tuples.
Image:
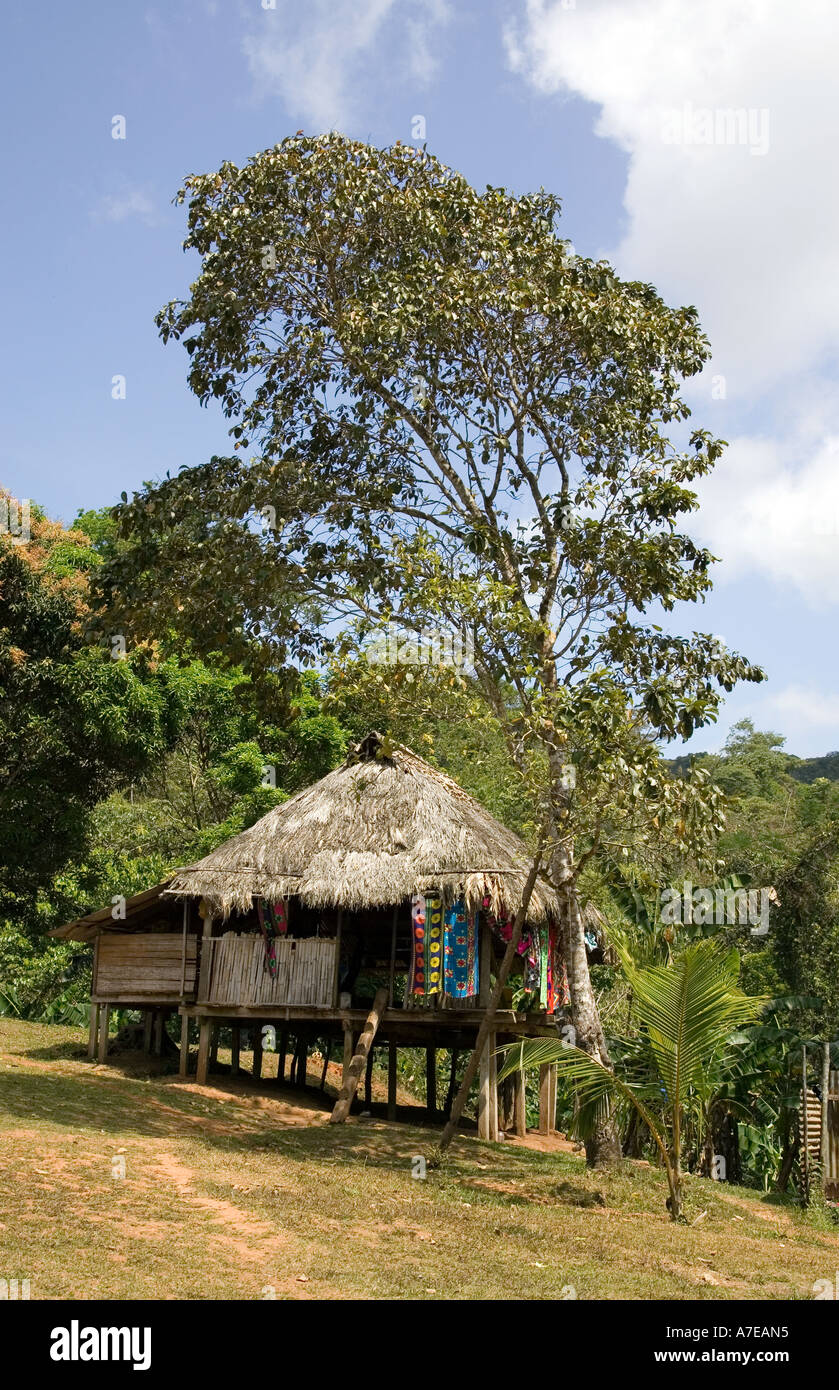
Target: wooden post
[(183, 1065), (519, 1104), (546, 1080), (183, 947), (301, 1060), (368, 1081), (484, 960), (356, 1066), (204, 1030), (431, 1082), (93, 1030), (281, 1055), (326, 1056), (488, 1095), (205, 968), (825, 1136), (452, 1090), (257, 1053), (104, 1027), (391, 1080), (158, 1032), (392, 977), (148, 1024), (235, 1050), (336, 981), (805, 1135)]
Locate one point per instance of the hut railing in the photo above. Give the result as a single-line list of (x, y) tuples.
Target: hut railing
[(237, 975)]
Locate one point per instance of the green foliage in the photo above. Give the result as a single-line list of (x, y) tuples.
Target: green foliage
[(73, 723), (687, 1011)]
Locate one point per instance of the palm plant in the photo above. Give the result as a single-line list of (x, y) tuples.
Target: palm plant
[(685, 1010)]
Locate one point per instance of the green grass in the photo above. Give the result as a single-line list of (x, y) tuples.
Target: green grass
[(235, 1189)]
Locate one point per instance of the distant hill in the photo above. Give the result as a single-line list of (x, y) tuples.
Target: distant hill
[(808, 769), (802, 769)]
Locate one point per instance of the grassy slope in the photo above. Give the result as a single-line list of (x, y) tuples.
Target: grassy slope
[(230, 1191)]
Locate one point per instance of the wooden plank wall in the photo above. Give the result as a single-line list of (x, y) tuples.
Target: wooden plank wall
[(237, 975), (143, 965)]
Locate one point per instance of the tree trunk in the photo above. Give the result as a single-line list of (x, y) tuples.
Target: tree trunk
[(603, 1149)]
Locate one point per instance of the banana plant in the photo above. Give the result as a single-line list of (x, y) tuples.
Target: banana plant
[(685, 1009)]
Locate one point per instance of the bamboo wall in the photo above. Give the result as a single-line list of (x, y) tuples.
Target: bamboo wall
[(235, 974)]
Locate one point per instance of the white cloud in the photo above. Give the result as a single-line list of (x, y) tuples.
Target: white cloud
[(807, 707), (117, 207), (772, 509), (749, 237), (324, 57), (745, 230)]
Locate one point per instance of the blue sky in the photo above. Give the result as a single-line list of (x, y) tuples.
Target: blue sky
[(622, 107)]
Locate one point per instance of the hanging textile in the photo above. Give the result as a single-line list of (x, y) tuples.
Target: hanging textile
[(543, 967), (427, 954), (557, 994), (460, 963), (273, 922)]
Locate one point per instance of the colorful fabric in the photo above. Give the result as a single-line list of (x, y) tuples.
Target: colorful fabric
[(273, 922), (543, 967), (427, 955), (460, 956)]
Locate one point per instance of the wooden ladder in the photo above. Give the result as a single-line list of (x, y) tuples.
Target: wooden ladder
[(356, 1067)]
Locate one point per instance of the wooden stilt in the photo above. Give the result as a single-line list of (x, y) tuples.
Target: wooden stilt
[(326, 1057), (204, 1030), (488, 1093), (281, 1055), (547, 1098), (391, 1080), (519, 1104), (431, 1082), (158, 1032), (356, 1066), (235, 1051), (104, 1029), (148, 1025), (257, 1053), (302, 1055), (93, 1030), (452, 1091), (183, 1065), (484, 961)]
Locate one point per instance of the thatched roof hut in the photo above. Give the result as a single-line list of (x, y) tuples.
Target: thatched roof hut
[(381, 827)]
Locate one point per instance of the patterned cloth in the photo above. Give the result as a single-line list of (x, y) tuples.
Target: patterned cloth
[(427, 955), (543, 968), (273, 922), (461, 952)]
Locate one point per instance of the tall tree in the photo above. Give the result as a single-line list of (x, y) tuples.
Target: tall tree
[(74, 724), (459, 422)]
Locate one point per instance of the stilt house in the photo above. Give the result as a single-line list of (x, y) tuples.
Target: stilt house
[(370, 909)]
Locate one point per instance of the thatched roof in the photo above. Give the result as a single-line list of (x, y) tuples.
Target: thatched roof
[(382, 826)]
